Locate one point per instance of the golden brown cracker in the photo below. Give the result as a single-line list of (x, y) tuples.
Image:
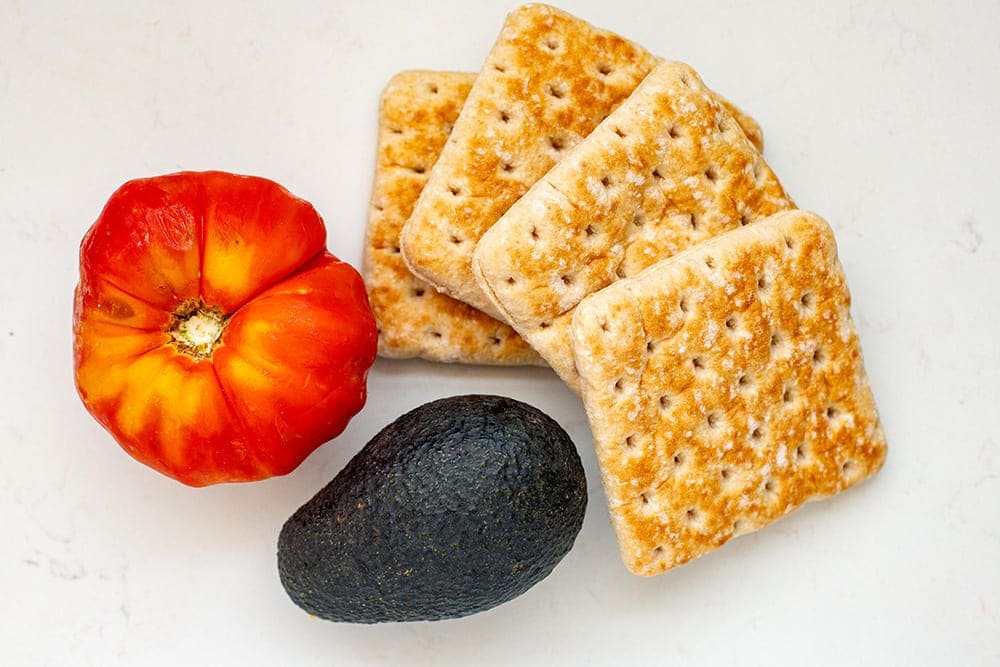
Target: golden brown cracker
[(417, 111), (725, 387), (548, 81), (668, 168)]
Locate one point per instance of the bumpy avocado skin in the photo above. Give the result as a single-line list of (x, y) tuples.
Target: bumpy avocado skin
[(459, 505)]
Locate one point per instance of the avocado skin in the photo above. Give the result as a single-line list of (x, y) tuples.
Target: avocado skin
[(457, 506)]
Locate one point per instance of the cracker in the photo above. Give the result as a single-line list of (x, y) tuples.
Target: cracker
[(724, 388), (667, 169), (416, 113), (548, 81)]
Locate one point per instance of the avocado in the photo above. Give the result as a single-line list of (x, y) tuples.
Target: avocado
[(457, 506)]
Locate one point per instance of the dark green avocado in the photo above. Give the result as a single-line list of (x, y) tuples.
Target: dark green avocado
[(455, 507)]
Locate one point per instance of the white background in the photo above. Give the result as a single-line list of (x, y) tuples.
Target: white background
[(883, 117)]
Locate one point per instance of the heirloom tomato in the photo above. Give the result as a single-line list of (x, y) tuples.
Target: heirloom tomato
[(214, 336)]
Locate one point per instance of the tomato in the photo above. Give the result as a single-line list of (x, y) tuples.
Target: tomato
[(215, 338)]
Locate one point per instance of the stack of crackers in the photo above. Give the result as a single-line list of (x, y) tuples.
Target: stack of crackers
[(584, 204)]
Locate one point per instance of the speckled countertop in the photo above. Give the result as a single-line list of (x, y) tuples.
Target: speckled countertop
[(883, 117)]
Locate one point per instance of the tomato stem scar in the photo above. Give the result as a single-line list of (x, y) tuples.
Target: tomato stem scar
[(195, 328)]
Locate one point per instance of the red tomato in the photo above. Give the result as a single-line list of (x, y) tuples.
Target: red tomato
[(214, 336)]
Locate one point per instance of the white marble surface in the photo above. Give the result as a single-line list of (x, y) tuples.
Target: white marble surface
[(884, 117)]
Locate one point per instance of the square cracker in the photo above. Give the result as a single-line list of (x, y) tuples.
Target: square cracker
[(668, 168), (725, 387), (547, 82), (417, 111)]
